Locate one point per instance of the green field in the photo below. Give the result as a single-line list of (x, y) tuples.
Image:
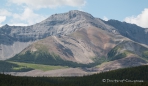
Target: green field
[(36, 66)]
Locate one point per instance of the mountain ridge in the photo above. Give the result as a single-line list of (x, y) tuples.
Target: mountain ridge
[(132, 31)]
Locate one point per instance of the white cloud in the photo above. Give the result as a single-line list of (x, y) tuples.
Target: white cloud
[(28, 16), (18, 24), (140, 20), (105, 18), (49, 3), (2, 19), (4, 12)]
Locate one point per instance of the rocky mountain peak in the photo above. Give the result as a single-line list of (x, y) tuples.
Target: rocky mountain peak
[(70, 16), (6, 25), (75, 13)]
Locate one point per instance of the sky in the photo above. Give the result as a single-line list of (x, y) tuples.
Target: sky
[(28, 12)]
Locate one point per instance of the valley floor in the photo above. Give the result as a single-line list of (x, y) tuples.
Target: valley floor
[(135, 76), (57, 71)]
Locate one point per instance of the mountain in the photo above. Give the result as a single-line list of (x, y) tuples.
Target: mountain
[(58, 24), (78, 40), (130, 31), (82, 40), (20, 36)]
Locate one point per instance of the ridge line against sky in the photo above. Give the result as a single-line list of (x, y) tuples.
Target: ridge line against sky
[(28, 12)]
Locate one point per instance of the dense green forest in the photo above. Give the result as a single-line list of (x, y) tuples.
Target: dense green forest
[(136, 76)]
